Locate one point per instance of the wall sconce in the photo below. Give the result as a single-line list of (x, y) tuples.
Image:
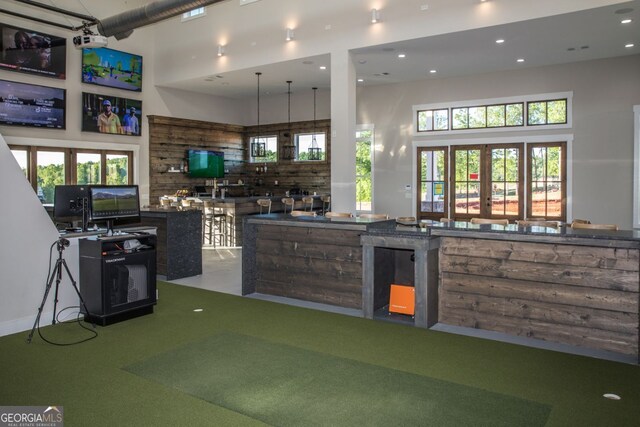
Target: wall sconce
[(220, 50), (290, 34), (375, 16)]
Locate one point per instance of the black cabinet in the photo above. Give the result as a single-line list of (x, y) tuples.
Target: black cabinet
[(118, 276)]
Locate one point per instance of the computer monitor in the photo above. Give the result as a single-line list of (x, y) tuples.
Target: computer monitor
[(70, 204), (111, 203)]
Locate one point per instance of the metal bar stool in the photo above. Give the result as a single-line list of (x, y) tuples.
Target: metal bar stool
[(264, 204), (214, 225), (288, 201), (326, 204), (307, 202)]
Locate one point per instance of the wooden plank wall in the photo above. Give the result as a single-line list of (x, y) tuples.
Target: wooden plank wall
[(170, 138), (312, 264), (577, 295), (308, 176)]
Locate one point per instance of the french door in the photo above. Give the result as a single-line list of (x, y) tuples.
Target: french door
[(433, 183), (487, 181)]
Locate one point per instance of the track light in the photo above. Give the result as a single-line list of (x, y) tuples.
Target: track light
[(375, 16), (220, 50), (289, 35)]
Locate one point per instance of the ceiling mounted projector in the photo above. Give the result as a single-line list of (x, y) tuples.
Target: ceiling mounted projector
[(89, 40)]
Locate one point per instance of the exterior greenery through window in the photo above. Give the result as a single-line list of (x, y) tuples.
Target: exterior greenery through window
[(303, 142), (47, 167), (271, 149), (543, 112), (494, 173), (364, 143)]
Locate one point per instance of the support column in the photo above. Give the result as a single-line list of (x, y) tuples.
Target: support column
[(343, 128)]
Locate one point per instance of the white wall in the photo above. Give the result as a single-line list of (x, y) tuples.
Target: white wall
[(27, 233), (604, 94)]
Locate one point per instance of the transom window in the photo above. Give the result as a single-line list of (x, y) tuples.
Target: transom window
[(533, 110), (194, 13)]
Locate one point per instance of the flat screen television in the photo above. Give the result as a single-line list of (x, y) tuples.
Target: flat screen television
[(205, 163), (111, 203), (112, 68), (111, 114), (32, 52), (70, 204), (23, 104)]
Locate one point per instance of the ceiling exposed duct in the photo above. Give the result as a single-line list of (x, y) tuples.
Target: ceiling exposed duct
[(122, 25)]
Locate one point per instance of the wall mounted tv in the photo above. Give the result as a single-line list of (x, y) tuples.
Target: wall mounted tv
[(111, 114), (32, 52), (205, 163), (24, 104), (112, 68)]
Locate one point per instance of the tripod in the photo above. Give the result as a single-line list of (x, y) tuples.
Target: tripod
[(57, 275)]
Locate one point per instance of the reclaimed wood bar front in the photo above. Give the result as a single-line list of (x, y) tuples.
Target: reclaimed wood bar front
[(576, 288)]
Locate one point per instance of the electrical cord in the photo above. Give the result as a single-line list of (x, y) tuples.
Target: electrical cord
[(93, 331)]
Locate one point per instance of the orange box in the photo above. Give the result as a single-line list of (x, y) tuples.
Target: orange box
[(402, 299)]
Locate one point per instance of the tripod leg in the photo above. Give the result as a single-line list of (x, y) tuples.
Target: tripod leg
[(58, 280), (75, 286), (44, 300)]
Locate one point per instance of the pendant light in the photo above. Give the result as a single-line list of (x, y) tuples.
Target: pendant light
[(289, 150), (315, 151), (258, 147)]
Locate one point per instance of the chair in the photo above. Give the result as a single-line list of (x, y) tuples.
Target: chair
[(288, 201), (590, 226), (373, 216), (406, 219), (303, 213), (214, 225), (338, 215), (537, 223), (264, 204), (489, 221), (326, 203), (165, 203), (307, 201), (447, 220), (186, 204)]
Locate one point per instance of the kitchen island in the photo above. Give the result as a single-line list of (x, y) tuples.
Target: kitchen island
[(575, 288)]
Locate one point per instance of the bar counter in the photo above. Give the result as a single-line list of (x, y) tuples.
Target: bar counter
[(574, 288), (179, 245)]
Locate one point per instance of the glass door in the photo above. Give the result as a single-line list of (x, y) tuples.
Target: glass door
[(432, 180), (488, 181)]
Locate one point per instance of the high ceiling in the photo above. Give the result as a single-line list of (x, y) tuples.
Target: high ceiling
[(580, 36)]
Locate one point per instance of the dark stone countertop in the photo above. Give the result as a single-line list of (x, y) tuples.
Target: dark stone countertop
[(321, 221), (620, 238)]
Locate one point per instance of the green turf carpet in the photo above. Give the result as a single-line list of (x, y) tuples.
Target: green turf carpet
[(285, 385)]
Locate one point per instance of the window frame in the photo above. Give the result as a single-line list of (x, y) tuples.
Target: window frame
[(196, 13), (254, 160), (563, 179), (524, 99), (297, 149)]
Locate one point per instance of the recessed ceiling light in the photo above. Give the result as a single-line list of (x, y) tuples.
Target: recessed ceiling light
[(402, 55), (629, 45), (322, 67), (623, 11), (500, 41), (362, 61), (433, 71), (307, 62), (198, 310), (626, 21), (520, 59), (360, 80), (586, 46), (571, 49)]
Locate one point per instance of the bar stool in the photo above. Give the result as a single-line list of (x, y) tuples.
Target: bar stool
[(288, 201), (307, 201), (214, 225), (264, 204), (489, 221), (326, 203), (303, 213)]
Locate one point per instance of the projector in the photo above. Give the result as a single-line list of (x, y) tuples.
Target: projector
[(89, 40)]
